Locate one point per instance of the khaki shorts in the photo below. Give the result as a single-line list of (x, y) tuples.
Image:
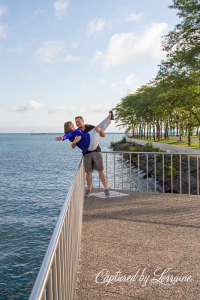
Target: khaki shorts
[(93, 161)]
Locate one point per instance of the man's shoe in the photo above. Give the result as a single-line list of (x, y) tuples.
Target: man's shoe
[(112, 116), (87, 194), (107, 194)]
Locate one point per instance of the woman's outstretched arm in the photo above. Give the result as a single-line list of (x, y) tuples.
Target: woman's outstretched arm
[(60, 138)]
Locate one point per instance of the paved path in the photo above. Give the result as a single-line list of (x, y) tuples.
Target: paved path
[(144, 243)]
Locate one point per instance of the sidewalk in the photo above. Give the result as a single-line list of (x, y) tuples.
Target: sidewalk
[(141, 236), (167, 147)]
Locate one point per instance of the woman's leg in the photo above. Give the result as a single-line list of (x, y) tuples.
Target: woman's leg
[(104, 124), (95, 136), (94, 140)]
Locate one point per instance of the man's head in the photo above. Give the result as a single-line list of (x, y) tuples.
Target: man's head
[(80, 122)]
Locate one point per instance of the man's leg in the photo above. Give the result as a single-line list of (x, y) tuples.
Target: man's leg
[(103, 179), (88, 170), (89, 180)]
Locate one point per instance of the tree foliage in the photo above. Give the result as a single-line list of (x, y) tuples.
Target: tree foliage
[(173, 96), (183, 43)]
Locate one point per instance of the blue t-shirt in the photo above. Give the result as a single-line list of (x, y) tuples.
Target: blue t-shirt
[(84, 143)]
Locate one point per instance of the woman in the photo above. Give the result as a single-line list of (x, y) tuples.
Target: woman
[(85, 141)]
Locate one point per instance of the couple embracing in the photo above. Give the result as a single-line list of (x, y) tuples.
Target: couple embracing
[(86, 137)]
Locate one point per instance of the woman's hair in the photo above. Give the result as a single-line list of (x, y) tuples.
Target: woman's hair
[(67, 126)]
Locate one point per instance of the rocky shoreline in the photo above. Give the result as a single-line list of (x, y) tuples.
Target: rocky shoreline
[(186, 165)]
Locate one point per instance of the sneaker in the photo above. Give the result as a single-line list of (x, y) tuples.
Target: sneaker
[(112, 116), (107, 194), (87, 194)]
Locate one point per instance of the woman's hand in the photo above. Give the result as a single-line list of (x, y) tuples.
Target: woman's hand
[(60, 138)]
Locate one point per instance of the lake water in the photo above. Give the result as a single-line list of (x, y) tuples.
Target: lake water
[(36, 173)]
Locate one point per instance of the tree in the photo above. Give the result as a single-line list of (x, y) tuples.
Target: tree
[(183, 43)]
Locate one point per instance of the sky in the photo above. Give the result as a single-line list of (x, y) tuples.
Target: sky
[(61, 59)]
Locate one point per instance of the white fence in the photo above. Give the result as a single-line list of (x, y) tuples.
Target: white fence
[(58, 273)]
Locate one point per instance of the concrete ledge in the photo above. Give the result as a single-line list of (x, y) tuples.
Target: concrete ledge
[(170, 148)]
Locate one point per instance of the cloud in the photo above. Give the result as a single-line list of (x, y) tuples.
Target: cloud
[(19, 49), (128, 86), (72, 110), (50, 52), (85, 86), (74, 45), (131, 90), (68, 110), (3, 31), (37, 12), (98, 56), (29, 107), (101, 82), (101, 109), (131, 80), (61, 9), (3, 10), (97, 26), (133, 17), (131, 84), (69, 58), (114, 85), (129, 48)]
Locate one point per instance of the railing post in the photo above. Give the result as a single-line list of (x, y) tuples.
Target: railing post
[(171, 174), (130, 171), (197, 175), (138, 171), (122, 171), (155, 170), (163, 173), (180, 176), (189, 174), (147, 170), (114, 170)]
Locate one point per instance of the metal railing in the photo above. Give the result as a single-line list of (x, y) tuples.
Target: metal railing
[(184, 177), (58, 273)]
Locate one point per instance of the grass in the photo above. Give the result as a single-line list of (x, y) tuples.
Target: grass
[(194, 144)]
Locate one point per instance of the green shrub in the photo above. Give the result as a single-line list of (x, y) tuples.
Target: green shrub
[(125, 146), (159, 171), (113, 144), (134, 149), (148, 147), (175, 173)]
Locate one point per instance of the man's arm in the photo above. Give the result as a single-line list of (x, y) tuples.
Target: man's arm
[(75, 141), (101, 132)]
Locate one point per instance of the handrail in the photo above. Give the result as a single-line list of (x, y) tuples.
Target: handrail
[(166, 153), (170, 166), (57, 276)]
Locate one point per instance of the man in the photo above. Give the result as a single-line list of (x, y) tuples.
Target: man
[(93, 160)]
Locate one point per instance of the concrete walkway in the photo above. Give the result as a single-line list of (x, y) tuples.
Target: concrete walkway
[(141, 246), (167, 147)]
